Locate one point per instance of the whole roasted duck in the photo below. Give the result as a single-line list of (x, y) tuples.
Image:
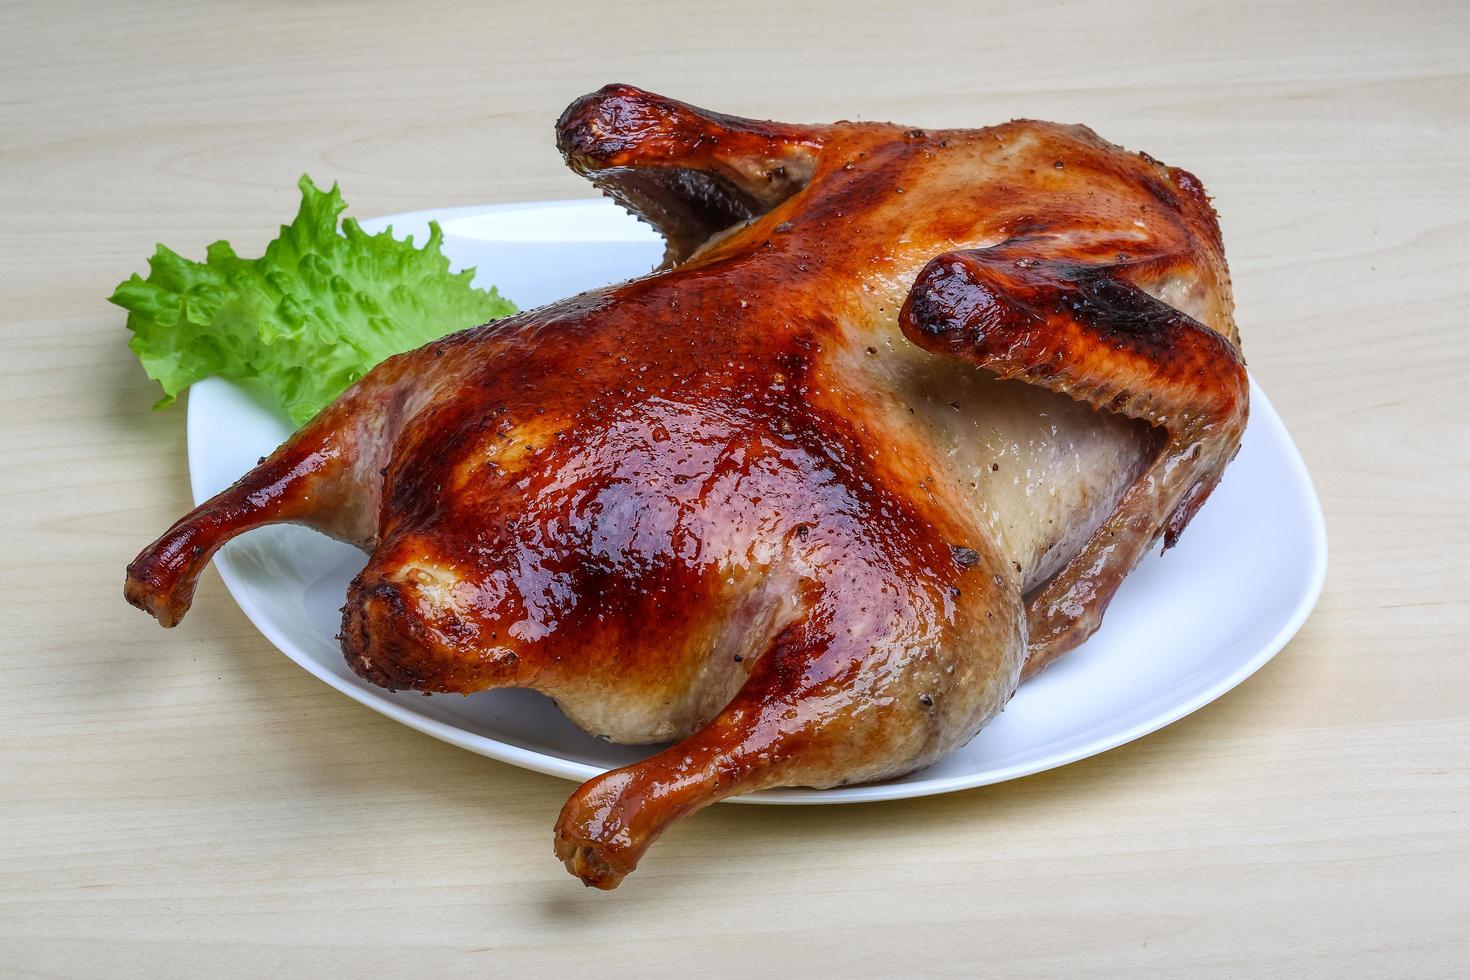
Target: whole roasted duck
[(880, 440)]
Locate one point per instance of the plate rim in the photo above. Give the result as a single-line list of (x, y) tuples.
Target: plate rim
[(552, 765)]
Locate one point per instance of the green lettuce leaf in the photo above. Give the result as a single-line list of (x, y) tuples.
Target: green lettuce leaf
[(306, 319)]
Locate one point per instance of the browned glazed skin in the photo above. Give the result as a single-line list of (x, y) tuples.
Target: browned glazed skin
[(743, 503)]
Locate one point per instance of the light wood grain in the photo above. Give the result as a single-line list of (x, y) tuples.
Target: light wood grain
[(190, 803)]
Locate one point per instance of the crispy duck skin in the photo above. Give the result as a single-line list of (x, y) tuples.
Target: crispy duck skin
[(882, 437)]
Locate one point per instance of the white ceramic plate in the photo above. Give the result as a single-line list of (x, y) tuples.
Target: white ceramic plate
[(1184, 629)]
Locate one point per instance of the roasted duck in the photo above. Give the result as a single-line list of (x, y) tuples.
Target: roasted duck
[(878, 441)]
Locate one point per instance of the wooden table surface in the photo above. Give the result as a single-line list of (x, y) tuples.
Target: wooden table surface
[(191, 803)]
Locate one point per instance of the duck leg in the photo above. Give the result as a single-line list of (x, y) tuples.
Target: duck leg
[(326, 476), (877, 677)]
